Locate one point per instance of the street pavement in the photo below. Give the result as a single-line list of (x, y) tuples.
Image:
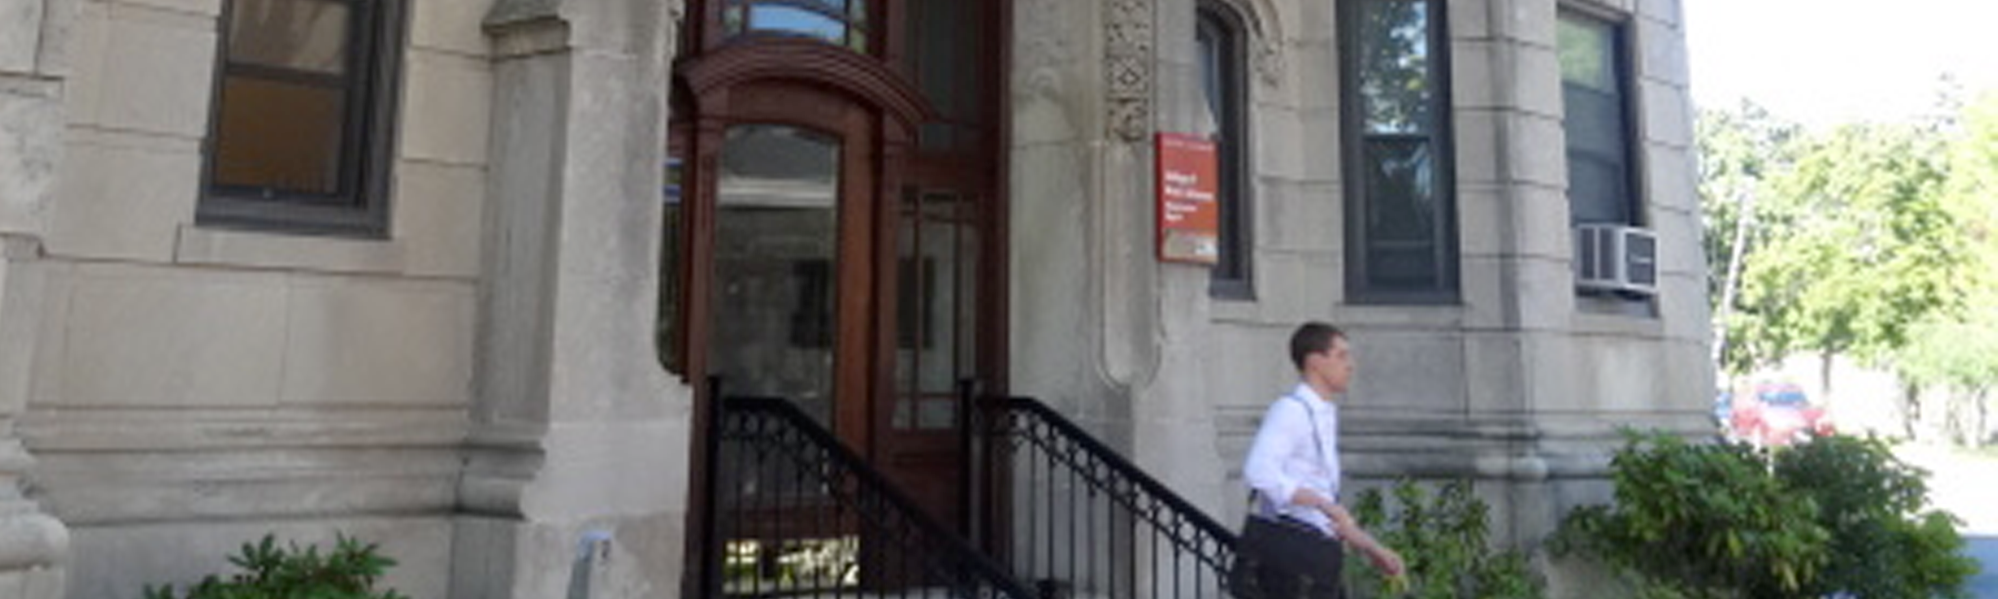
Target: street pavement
[(1985, 549)]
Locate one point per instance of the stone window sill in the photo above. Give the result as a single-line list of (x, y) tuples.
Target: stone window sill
[(247, 249)]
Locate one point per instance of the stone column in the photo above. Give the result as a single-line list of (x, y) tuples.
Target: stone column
[(33, 69), (578, 465)]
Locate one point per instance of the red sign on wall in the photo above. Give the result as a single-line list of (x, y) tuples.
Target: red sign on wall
[(1188, 213)]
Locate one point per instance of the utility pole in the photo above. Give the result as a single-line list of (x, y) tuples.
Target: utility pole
[(1743, 222)]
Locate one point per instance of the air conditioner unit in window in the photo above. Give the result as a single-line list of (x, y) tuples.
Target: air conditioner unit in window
[(1616, 258)]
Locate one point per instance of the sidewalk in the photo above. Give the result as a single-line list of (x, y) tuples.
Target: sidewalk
[(1963, 483)]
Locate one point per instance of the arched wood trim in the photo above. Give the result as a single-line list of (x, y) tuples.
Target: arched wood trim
[(809, 61)]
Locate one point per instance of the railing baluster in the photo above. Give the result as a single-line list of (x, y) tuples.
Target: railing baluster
[(1030, 552), (1089, 539), (1074, 580), (1047, 552), (1145, 527), (759, 500), (1154, 543), (1114, 573), (818, 504)]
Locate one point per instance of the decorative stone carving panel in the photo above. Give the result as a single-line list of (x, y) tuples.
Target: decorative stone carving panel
[(1127, 57), (1269, 60)]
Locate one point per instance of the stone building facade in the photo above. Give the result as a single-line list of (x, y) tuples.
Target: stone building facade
[(396, 268)]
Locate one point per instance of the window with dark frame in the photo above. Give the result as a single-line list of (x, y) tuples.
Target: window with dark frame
[(1602, 179), (1219, 36), (300, 138), (1401, 232)]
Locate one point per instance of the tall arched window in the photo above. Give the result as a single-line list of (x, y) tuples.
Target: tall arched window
[(1220, 36)]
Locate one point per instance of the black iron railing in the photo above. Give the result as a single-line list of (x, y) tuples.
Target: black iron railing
[(796, 513), (1063, 510)]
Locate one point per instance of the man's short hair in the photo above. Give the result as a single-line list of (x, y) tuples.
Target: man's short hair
[(1310, 338)]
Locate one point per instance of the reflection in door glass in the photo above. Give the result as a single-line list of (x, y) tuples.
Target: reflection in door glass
[(937, 280), (776, 233)]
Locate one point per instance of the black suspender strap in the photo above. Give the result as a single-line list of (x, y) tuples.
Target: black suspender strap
[(1316, 441)]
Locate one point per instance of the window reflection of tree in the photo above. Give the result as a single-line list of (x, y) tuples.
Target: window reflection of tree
[(302, 34), (1395, 61)]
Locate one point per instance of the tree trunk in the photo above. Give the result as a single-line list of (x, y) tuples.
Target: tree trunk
[(1743, 222), (1825, 360), (1956, 417), (1911, 408), (1981, 433)]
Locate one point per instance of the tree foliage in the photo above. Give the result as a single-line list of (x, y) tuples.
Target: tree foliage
[(1742, 150), (1959, 353), (1854, 237)]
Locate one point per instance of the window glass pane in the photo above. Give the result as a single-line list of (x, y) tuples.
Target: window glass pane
[(666, 331), (280, 137), (1404, 216), (937, 270), (943, 38), (791, 20), (307, 35), (936, 307), (1394, 56), (966, 303), (937, 414), (780, 164), (1587, 58), (732, 19), (774, 279), (1600, 177), (908, 301), (1594, 120), (831, 6), (1211, 49), (1596, 190)]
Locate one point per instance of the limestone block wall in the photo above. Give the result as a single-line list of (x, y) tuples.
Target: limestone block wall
[(194, 388), (35, 70), (1520, 384)]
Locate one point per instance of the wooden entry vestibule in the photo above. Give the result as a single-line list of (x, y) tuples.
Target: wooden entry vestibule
[(835, 220)]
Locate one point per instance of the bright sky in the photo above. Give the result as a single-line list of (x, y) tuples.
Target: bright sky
[(1824, 61)]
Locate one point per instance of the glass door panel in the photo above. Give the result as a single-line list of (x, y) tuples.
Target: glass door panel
[(775, 280)]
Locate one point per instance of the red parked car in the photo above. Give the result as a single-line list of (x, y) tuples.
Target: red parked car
[(1776, 414)]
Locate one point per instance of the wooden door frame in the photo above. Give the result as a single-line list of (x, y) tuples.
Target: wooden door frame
[(820, 87), (711, 68)]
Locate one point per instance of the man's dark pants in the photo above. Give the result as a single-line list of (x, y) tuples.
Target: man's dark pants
[(1287, 559)]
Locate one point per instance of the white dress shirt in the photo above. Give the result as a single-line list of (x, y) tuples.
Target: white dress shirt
[(1290, 454)]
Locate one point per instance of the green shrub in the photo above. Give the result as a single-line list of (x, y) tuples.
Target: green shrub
[(1444, 541), (1884, 544), (1836, 515), (348, 571), (1700, 521)]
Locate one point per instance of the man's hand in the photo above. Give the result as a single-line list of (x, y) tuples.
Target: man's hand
[(1387, 561)]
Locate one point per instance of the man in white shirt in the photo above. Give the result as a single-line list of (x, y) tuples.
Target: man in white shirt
[(1297, 525)]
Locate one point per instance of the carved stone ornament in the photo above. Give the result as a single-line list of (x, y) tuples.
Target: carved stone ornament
[(1127, 61), (1269, 61)]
